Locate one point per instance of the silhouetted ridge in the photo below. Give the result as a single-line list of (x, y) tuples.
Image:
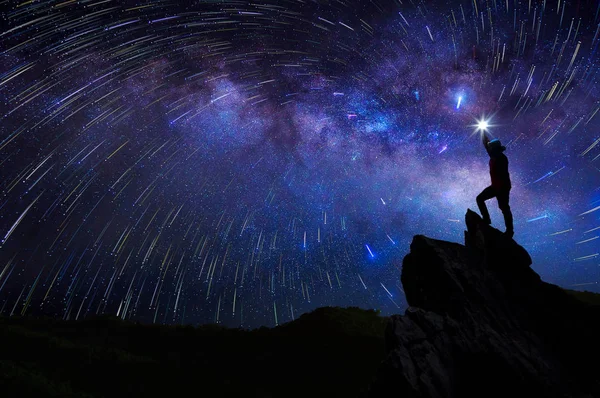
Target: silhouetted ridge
[(481, 322), (328, 352)]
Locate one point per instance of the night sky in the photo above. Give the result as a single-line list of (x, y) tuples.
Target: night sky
[(246, 162)]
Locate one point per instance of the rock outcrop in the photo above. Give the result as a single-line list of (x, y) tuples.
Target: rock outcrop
[(481, 323)]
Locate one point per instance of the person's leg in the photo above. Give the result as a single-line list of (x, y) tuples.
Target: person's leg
[(486, 194), (503, 198)]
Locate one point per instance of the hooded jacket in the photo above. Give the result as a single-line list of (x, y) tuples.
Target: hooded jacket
[(499, 171)]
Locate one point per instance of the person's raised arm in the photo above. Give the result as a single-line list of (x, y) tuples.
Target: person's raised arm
[(485, 140)]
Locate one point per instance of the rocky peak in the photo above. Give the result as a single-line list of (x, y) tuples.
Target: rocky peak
[(481, 322)]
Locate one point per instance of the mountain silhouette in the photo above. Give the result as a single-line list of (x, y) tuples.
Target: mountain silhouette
[(482, 323)]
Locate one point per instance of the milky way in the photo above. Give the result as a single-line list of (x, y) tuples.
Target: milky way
[(245, 162)]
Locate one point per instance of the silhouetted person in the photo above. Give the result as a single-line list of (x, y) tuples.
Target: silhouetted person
[(500, 188)]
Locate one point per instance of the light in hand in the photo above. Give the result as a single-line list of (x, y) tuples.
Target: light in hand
[(482, 125)]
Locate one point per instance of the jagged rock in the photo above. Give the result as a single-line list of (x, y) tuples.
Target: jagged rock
[(481, 322)]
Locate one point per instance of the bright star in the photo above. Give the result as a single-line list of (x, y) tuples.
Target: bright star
[(482, 125)]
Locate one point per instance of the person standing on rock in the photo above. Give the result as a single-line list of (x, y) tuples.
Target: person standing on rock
[(500, 188)]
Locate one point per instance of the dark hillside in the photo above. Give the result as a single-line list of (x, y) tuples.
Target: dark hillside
[(328, 352)]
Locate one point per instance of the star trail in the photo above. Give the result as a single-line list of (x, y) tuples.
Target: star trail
[(243, 162)]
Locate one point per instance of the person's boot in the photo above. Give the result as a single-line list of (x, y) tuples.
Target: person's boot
[(485, 215), (508, 221)]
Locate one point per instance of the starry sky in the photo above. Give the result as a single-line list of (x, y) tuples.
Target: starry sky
[(243, 163)]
